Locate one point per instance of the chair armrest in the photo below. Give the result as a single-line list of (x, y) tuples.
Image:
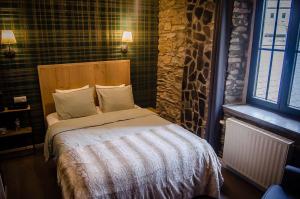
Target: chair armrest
[(291, 179)]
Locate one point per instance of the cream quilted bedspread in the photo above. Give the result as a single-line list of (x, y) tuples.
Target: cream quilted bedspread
[(164, 161)]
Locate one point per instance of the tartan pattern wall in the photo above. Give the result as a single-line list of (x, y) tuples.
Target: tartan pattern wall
[(67, 31)]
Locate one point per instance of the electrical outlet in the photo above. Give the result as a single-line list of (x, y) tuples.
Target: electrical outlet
[(21, 99)]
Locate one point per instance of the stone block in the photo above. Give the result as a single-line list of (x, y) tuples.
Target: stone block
[(207, 17), (167, 26), (234, 60), (241, 10), (235, 47), (241, 29), (199, 36), (178, 27), (198, 12)]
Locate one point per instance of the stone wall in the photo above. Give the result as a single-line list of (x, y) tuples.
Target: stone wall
[(237, 57), (197, 65), (238, 49), (172, 45)]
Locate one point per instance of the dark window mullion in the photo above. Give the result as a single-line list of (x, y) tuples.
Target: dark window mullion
[(275, 50), (272, 53)]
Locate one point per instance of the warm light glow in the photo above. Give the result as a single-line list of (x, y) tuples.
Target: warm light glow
[(8, 37), (127, 36)]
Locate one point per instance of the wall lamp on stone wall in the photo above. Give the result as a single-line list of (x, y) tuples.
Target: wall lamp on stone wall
[(126, 38), (8, 38)]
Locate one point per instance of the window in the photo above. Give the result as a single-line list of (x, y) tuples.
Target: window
[(274, 79)]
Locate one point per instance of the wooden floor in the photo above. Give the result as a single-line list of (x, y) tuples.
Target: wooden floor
[(30, 177)]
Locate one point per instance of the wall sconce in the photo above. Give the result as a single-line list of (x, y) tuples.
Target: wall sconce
[(8, 38), (126, 38)]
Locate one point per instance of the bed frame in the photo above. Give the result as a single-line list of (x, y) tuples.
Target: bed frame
[(75, 75)]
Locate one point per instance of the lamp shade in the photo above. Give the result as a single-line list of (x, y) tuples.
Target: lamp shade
[(127, 36), (8, 37)]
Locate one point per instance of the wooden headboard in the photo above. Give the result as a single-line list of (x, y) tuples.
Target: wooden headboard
[(75, 75)]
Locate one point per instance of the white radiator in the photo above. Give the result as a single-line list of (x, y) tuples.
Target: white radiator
[(255, 153)]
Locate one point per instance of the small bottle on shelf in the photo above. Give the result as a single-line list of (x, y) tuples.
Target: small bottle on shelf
[(18, 124)]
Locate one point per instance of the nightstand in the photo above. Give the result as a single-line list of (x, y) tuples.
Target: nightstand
[(152, 109), (8, 118)]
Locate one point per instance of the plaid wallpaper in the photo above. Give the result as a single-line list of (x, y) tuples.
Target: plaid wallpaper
[(66, 31)]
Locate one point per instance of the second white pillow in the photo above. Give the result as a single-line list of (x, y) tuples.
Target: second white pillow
[(115, 99)]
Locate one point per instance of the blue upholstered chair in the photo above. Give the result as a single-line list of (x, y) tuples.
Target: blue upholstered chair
[(289, 187)]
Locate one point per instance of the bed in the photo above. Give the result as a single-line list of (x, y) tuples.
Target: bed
[(130, 153)]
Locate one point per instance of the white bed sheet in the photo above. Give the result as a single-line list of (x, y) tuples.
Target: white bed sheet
[(53, 118)]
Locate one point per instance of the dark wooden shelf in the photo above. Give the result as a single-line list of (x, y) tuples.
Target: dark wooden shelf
[(6, 110), (11, 133), (21, 131)]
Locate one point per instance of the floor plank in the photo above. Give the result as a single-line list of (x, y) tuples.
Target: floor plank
[(30, 177), (237, 188)]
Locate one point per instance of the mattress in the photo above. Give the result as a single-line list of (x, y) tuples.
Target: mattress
[(131, 154)]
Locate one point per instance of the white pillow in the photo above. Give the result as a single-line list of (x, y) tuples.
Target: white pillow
[(75, 104), (115, 99), (71, 90), (100, 86)]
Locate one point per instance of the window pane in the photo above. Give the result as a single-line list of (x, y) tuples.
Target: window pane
[(276, 16), (263, 73), (269, 24), (275, 76), (282, 24), (295, 94)]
